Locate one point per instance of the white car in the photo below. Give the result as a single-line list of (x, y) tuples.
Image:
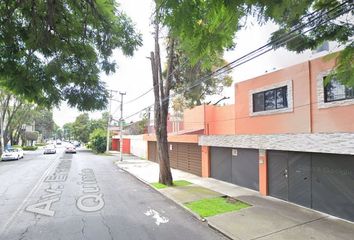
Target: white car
[(70, 149), (50, 149), (12, 154)]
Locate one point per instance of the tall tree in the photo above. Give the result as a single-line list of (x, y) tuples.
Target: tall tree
[(81, 127), (44, 122), (204, 29), (187, 77), (14, 112), (162, 88), (54, 50), (68, 131)]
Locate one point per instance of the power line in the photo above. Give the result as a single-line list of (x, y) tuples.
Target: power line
[(281, 41), (142, 95), (218, 71), (250, 53)]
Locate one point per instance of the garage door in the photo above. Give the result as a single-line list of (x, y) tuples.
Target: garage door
[(324, 182), (289, 176), (152, 151), (333, 184), (186, 157), (238, 166), (183, 156), (220, 165)]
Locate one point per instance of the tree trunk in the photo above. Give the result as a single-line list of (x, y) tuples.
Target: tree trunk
[(161, 94)]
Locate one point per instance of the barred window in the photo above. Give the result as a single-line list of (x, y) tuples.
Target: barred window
[(335, 91), (271, 99)]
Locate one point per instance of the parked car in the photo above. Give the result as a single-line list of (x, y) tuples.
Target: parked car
[(50, 149), (76, 143), (70, 149), (12, 154)]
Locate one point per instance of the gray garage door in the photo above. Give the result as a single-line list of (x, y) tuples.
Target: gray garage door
[(240, 168), (333, 184), (324, 182)]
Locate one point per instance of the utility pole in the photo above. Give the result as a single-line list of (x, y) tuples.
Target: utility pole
[(121, 126), (109, 117), (2, 130)]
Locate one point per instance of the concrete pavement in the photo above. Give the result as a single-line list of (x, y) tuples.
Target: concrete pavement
[(268, 218), (85, 196)]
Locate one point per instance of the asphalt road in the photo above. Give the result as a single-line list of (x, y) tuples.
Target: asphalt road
[(85, 196)]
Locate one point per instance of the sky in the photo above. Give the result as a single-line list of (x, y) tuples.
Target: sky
[(134, 77)]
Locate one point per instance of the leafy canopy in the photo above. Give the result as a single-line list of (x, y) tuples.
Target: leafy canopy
[(54, 50), (205, 28)]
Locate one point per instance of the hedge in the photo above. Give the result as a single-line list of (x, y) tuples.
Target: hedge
[(29, 148)]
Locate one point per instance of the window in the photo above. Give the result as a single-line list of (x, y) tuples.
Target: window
[(335, 91), (271, 99)]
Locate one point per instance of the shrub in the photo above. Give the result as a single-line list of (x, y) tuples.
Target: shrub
[(40, 144), (98, 140), (29, 148)]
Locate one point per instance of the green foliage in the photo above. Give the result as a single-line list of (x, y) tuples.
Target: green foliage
[(40, 144), (341, 30), (158, 185), (44, 122), (205, 28), (54, 50), (177, 183), (187, 77), (345, 62), (98, 140), (81, 126), (213, 206), (29, 148), (31, 136)]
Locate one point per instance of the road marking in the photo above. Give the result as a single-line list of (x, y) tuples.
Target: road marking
[(156, 215), (43, 207), (33, 191), (91, 200), (90, 206)]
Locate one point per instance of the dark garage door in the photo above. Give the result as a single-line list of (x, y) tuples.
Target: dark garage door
[(324, 182), (152, 151), (220, 164), (289, 176), (240, 168), (333, 184)]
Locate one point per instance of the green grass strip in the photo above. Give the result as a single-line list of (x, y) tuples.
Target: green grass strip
[(213, 206), (177, 183)]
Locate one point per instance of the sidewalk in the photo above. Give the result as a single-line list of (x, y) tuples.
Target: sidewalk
[(267, 218)]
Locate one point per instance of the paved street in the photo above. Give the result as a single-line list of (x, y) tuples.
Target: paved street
[(84, 196)]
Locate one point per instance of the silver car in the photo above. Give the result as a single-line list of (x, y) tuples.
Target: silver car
[(12, 154), (50, 149)]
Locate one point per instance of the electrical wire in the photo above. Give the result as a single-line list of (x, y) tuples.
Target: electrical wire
[(281, 41)]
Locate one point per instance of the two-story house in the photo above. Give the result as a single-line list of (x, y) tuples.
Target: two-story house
[(293, 139)]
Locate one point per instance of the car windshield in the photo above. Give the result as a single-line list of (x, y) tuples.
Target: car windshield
[(11, 150)]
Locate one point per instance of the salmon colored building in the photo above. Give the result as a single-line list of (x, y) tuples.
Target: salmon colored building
[(293, 139), (288, 135)]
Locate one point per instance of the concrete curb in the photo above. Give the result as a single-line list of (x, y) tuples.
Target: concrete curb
[(178, 203), (222, 232)]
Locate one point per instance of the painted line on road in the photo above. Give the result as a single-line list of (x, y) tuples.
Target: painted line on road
[(33, 191), (156, 216)]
